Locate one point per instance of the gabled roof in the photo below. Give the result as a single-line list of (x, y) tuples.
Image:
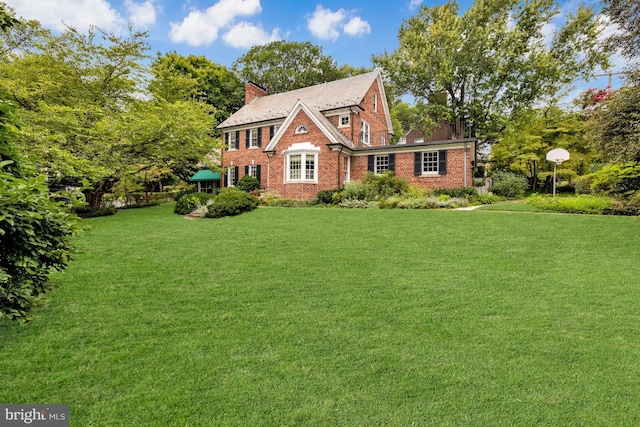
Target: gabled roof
[(331, 132), (343, 93)]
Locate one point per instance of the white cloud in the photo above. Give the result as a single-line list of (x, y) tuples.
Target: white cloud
[(357, 27), (141, 14), (326, 24), (80, 14), (246, 35), (414, 4), (202, 27)]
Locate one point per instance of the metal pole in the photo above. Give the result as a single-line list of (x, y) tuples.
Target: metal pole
[(554, 179)]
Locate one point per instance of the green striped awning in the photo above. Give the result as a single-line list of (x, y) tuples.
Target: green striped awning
[(205, 175)]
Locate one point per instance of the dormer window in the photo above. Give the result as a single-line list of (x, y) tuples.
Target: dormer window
[(344, 121), (301, 129)]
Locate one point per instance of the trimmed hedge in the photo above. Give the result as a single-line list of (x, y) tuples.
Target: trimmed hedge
[(188, 202), (230, 202)]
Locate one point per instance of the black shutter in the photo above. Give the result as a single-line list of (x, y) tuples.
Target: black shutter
[(371, 164), (442, 162), (224, 178), (235, 175), (246, 170), (259, 137), (417, 163), (237, 146), (258, 172), (392, 162), (247, 137)]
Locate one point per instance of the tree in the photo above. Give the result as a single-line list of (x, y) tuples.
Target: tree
[(176, 77), (72, 90), (282, 66), (528, 138), (492, 61), (35, 229), (625, 13), (615, 127)]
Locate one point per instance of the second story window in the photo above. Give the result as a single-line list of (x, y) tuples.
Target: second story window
[(375, 102), (365, 133), (232, 140), (253, 138), (344, 121)]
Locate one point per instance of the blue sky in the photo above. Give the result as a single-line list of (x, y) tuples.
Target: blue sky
[(222, 30)]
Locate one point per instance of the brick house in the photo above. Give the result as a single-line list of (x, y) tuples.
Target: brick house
[(320, 137)]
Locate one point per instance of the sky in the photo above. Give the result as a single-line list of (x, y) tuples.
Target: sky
[(349, 31)]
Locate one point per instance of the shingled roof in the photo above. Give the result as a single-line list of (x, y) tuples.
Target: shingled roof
[(323, 97)]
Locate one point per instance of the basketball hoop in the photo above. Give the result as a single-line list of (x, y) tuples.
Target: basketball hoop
[(557, 156)]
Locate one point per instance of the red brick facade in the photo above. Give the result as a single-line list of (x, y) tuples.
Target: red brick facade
[(308, 146)]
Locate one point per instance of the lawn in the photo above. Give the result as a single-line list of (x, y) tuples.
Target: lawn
[(338, 317)]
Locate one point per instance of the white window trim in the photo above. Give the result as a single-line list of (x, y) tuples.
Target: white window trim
[(302, 129), (231, 176), (229, 136), (365, 133), (344, 125), (253, 142), (437, 161), (253, 171), (346, 173), (375, 102), (305, 149), (375, 166)]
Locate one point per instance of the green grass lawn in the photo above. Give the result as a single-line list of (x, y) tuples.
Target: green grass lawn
[(338, 317)]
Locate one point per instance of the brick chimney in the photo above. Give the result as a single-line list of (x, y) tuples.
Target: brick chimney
[(252, 91)]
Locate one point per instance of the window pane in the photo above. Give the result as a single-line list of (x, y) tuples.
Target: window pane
[(382, 164), (310, 168), (295, 166), (430, 161)]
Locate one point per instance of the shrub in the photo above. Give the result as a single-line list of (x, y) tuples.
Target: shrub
[(582, 184), (390, 202), (180, 194), (457, 192), (386, 184), (189, 202), (413, 203), (357, 190), (87, 212), (355, 204), (326, 196), (35, 240), (509, 185), (230, 202), (248, 184), (290, 203), (577, 204), (623, 179), (486, 199)]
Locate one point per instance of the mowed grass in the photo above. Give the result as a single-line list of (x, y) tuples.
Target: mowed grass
[(337, 317)]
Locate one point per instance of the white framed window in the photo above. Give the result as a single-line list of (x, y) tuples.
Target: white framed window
[(253, 171), (375, 102), (382, 164), (301, 129), (346, 165), (365, 133), (430, 162), (231, 140), (253, 138), (383, 141), (231, 176), (344, 121), (301, 163)]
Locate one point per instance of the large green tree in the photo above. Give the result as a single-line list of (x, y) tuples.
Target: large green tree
[(35, 229), (196, 77), (486, 64), (282, 66), (528, 138)]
